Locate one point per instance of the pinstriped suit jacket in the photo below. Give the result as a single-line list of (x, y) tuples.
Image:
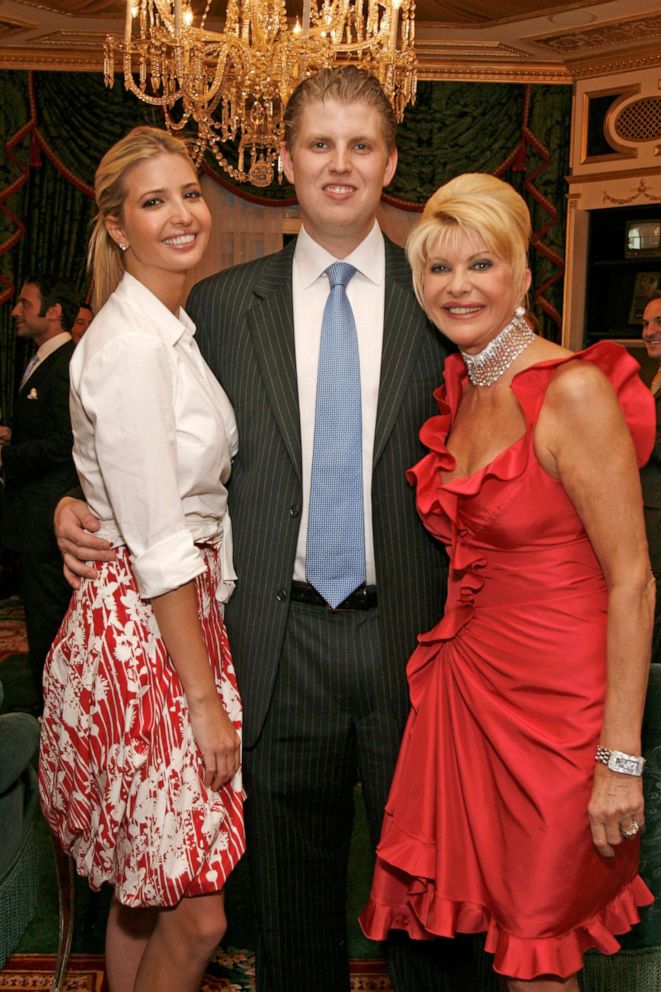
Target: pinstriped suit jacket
[(245, 331)]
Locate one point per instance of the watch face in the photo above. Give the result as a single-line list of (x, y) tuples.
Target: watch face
[(622, 763)]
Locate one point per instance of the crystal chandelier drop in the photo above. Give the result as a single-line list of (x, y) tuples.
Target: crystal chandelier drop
[(233, 85)]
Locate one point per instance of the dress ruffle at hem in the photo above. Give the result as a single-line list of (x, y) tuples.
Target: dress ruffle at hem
[(425, 916)]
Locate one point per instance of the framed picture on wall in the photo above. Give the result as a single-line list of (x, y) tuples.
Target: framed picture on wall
[(646, 283)]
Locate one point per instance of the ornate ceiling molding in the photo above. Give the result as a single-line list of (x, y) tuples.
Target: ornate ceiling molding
[(10, 26), (74, 40), (631, 31), (432, 68), (645, 58)]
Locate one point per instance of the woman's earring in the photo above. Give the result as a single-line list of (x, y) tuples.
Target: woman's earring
[(122, 247), (519, 312)]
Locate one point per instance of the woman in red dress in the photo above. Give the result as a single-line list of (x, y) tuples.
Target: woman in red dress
[(517, 802), (140, 751)]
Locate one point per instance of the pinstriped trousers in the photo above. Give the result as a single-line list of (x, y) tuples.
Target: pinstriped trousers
[(331, 722)]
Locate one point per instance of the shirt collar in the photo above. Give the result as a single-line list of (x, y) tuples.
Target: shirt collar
[(48, 347), (368, 257), (170, 326)]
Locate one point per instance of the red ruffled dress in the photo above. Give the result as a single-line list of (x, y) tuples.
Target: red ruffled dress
[(486, 826)]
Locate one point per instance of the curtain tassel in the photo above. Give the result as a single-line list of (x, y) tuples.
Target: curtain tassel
[(35, 151)]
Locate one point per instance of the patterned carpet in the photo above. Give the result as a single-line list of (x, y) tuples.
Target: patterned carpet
[(229, 971), (12, 628)]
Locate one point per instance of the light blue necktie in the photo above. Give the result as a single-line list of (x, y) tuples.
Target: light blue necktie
[(335, 557), (29, 369)]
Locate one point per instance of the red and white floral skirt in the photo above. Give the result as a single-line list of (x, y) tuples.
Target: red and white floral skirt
[(120, 773)]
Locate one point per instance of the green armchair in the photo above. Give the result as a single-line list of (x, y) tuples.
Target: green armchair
[(19, 740)]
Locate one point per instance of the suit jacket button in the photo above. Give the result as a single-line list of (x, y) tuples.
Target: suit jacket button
[(294, 510), (281, 595)]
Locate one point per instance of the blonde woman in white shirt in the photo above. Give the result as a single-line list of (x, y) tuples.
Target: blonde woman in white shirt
[(140, 758)]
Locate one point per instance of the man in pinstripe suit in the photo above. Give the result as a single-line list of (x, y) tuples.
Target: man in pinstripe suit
[(324, 690)]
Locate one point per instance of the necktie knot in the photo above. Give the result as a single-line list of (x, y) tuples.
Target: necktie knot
[(340, 273)]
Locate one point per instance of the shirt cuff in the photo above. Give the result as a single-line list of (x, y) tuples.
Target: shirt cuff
[(167, 565)]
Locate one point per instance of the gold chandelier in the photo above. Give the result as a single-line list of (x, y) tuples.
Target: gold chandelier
[(233, 85)]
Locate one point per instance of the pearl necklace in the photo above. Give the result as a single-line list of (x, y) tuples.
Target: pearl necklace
[(492, 362)]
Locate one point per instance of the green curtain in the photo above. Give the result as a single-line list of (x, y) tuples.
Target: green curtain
[(54, 128)]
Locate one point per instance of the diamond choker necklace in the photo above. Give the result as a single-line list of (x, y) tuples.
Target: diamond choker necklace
[(493, 361)]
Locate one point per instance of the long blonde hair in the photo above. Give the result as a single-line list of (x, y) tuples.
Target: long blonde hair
[(478, 204), (104, 258)]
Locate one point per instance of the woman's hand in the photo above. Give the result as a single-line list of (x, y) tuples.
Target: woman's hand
[(616, 801), (218, 741)]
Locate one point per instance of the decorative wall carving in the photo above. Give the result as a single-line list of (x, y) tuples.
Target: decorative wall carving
[(620, 32), (642, 190)]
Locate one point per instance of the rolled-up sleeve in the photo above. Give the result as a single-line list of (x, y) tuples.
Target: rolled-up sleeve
[(127, 391)]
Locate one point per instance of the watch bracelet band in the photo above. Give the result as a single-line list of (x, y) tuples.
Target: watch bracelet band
[(604, 755)]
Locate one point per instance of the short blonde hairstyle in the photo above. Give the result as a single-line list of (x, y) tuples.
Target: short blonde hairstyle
[(104, 257), (479, 205)]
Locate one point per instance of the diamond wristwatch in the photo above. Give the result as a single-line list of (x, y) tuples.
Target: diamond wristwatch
[(618, 761)]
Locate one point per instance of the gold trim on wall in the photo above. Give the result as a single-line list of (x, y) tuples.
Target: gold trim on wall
[(623, 93), (598, 177)]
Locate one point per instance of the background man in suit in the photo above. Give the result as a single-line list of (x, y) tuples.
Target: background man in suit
[(82, 322), (36, 460), (324, 690), (650, 475)]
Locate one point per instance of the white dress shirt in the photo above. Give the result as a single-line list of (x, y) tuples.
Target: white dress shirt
[(366, 295), (154, 435)]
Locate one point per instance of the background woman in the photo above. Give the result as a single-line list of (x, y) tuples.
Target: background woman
[(140, 749), (499, 819)]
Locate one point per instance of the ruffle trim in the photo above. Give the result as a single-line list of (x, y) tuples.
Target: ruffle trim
[(424, 917), (529, 386), (435, 498)]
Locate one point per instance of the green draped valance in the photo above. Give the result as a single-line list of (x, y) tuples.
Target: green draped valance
[(55, 127)]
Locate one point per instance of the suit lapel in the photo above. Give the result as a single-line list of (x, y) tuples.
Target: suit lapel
[(401, 328), (271, 321), (41, 372)]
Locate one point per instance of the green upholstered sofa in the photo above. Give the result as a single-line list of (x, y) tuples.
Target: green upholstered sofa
[(637, 967), (19, 740)]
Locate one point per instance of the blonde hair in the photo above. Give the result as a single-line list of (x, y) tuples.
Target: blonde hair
[(346, 84), (479, 205), (104, 257)]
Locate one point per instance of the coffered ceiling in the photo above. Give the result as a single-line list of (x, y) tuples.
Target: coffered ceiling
[(522, 40)]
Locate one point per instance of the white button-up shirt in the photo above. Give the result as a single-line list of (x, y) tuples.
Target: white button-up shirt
[(154, 435), (366, 293)]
